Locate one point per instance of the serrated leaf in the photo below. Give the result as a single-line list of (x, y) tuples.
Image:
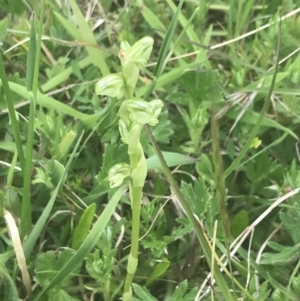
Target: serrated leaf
[(197, 196), (283, 257), (260, 167), (291, 223), (60, 295), (172, 159), (200, 85), (100, 267), (83, 226), (49, 264), (161, 132)]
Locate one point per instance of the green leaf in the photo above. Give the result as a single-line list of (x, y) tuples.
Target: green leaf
[(142, 293), (100, 267), (240, 223), (197, 196), (284, 256), (60, 295), (201, 86), (48, 265), (158, 271), (204, 167), (97, 56), (70, 27), (180, 291), (3, 28), (291, 222), (172, 159), (15, 7), (251, 117), (31, 58), (10, 288), (83, 227), (53, 104), (164, 49)]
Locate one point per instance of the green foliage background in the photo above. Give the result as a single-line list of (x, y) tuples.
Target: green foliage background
[(220, 66)]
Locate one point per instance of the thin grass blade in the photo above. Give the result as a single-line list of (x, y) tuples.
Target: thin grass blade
[(12, 112), (96, 55)]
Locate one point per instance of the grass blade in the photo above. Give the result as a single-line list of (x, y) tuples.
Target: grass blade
[(53, 104), (12, 112), (96, 55), (164, 50)]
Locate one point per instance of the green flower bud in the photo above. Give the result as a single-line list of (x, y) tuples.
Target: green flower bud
[(156, 105), (200, 117), (138, 53), (133, 58), (144, 112), (118, 173), (111, 85)]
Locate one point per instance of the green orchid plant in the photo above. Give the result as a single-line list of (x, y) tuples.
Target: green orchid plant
[(134, 113)]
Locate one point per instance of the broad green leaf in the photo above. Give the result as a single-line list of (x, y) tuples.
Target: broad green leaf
[(3, 28), (172, 159), (158, 271), (240, 223), (83, 227), (65, 144), (204, 168), (180, 291), (70, 28)]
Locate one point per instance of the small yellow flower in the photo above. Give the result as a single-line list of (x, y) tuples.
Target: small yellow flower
[(255, 143)]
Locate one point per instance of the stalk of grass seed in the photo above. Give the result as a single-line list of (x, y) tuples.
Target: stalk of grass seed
[(134, 113)]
